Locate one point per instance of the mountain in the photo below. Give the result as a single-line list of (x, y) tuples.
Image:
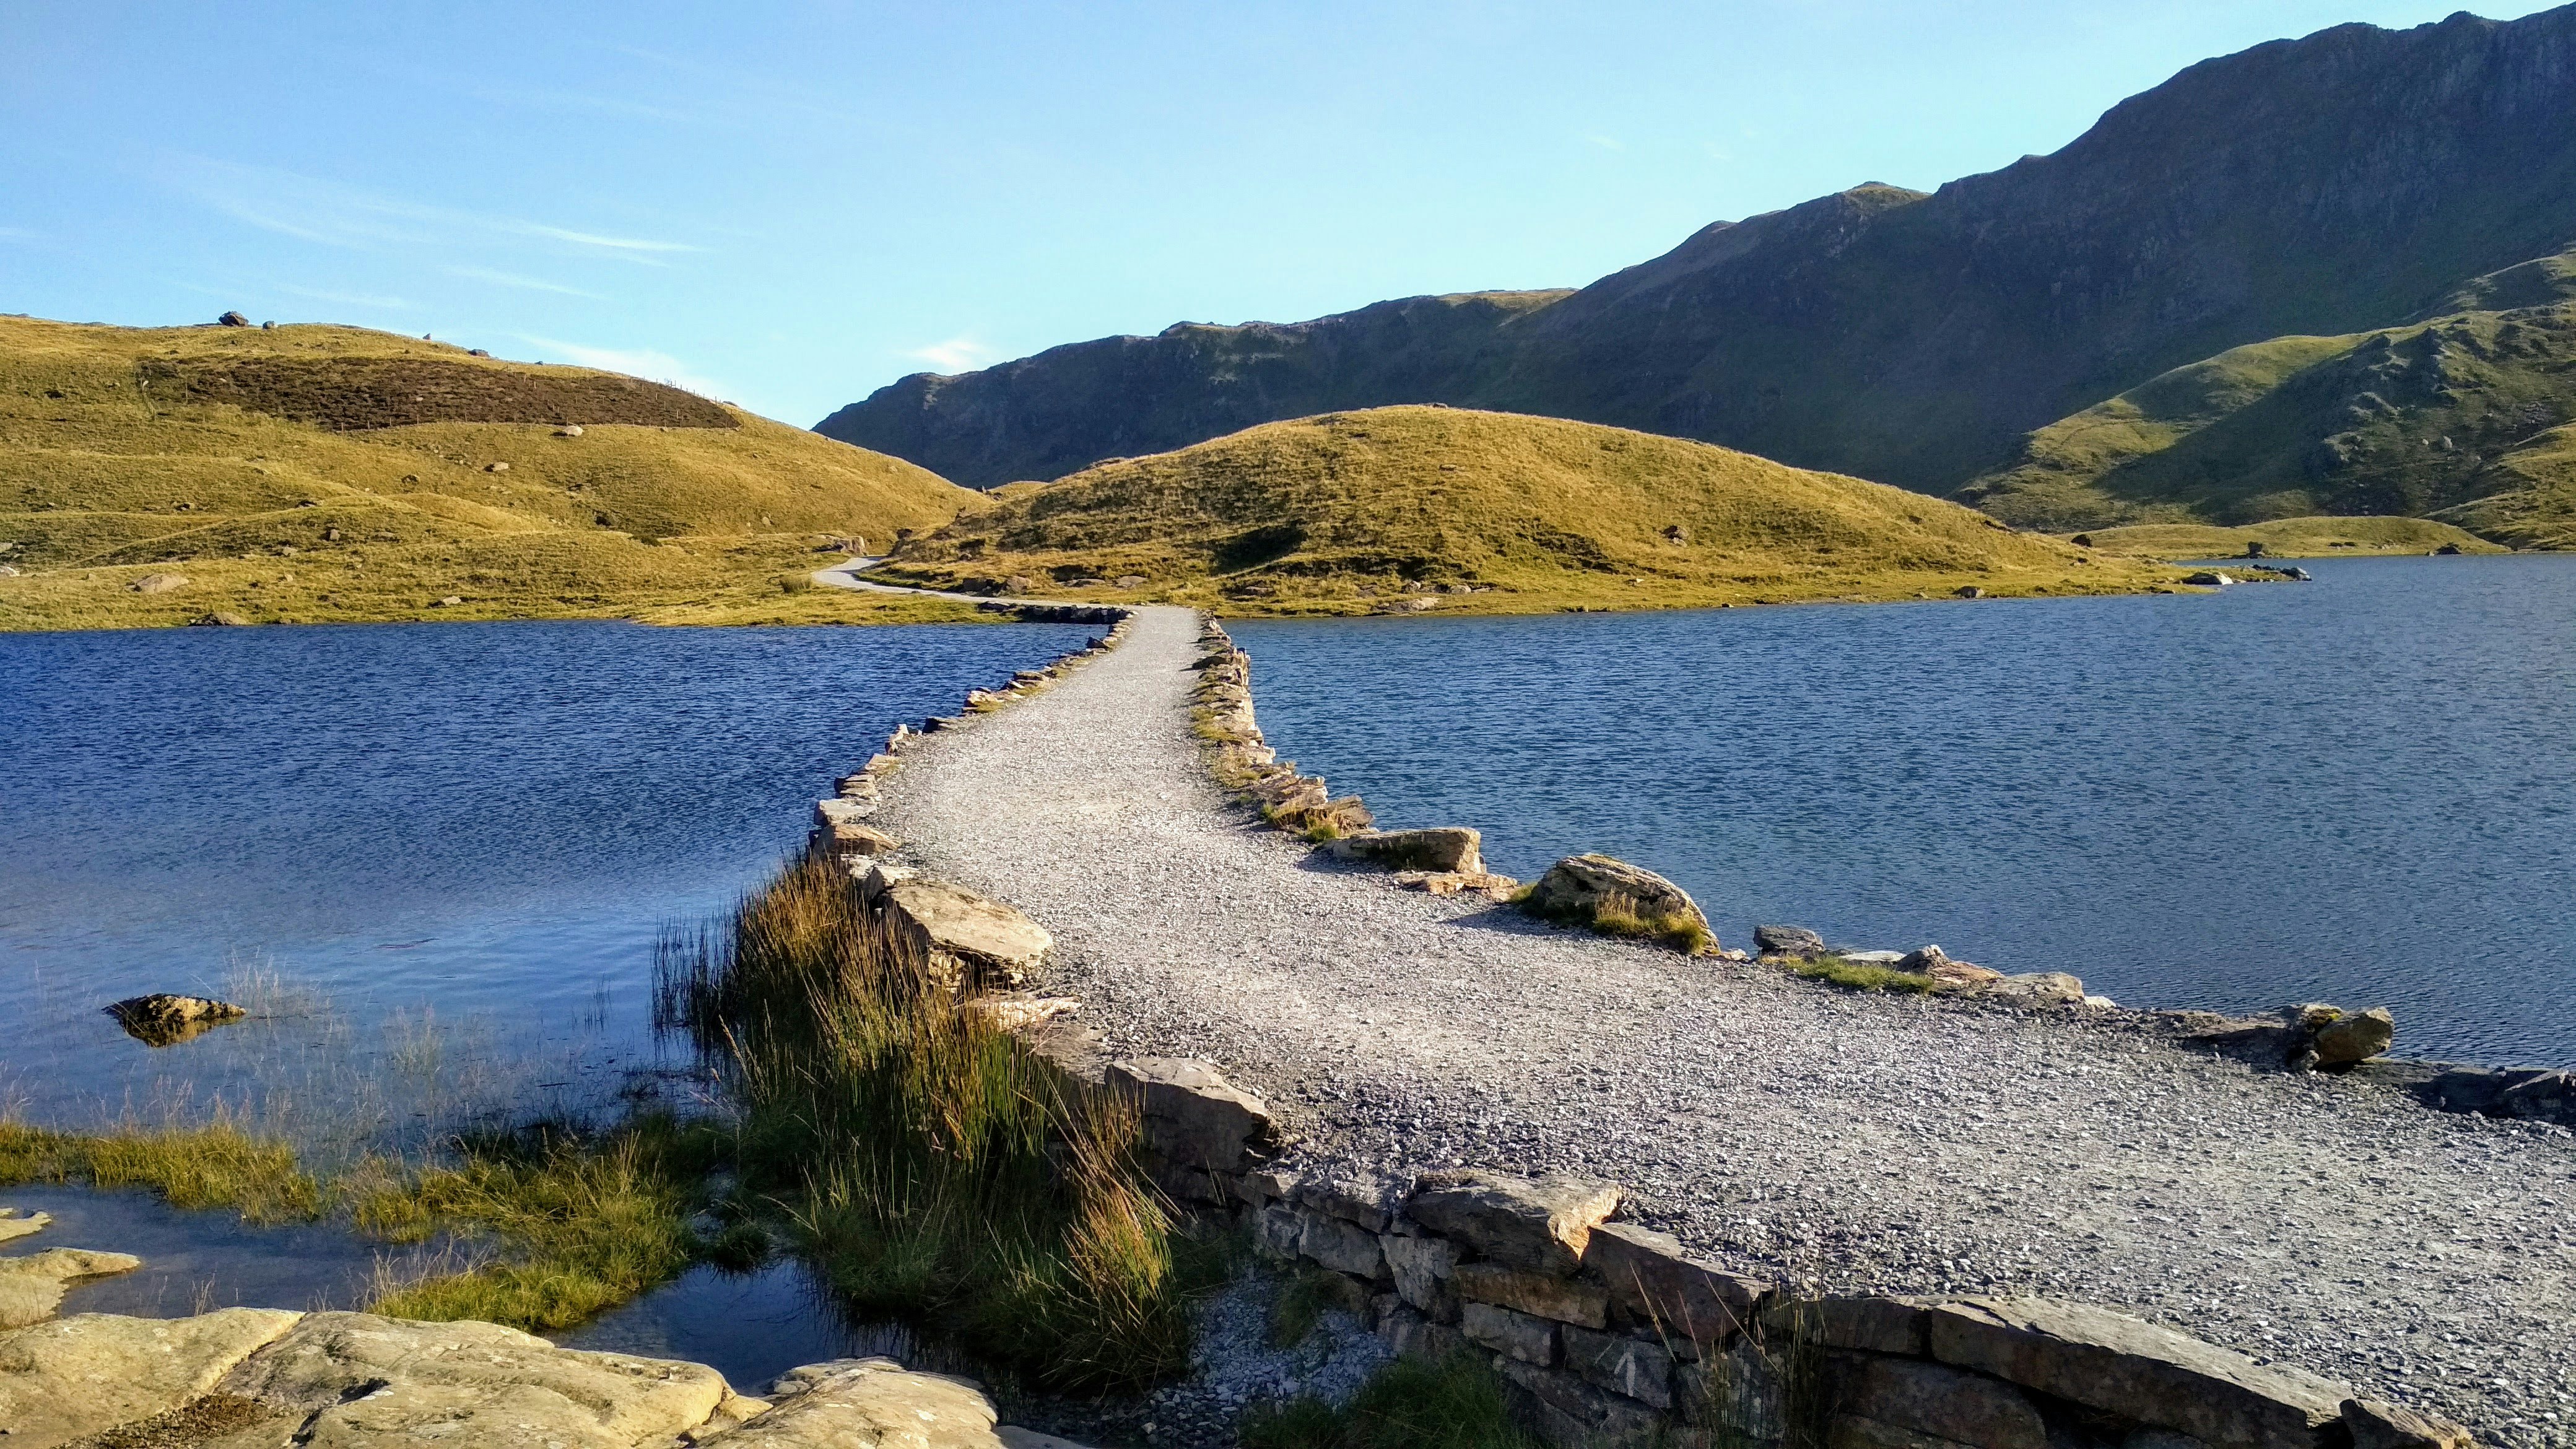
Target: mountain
[(311, 472), (2455, 417), (1043, 416), (2322, 187), (1407, 508)]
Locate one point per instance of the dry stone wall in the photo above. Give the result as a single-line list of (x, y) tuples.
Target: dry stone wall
[(1610, 1333)]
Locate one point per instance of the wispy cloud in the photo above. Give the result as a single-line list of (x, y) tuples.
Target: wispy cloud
[(346, 299), (641, 362), (957, 354), (1606, 143), (327, 212), (523, 283), (16, 234)]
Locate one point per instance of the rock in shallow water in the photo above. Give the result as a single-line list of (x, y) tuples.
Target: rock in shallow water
[(162, 1019)]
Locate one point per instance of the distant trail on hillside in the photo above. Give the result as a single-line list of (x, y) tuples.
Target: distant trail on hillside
[(1857, 1141)]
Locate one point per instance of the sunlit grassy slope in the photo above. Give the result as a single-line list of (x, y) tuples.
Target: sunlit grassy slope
[(1402, 506), (316, 473), (2286, 538), (2461, 418)]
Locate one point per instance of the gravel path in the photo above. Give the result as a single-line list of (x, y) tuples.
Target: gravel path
[(1833, 1138)]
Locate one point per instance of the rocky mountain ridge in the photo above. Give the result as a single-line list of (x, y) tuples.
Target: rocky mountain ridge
[(2353, 179)]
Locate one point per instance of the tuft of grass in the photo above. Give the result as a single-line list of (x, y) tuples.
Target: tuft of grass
[(935, 1168), (583, 1222), (1403, 509), (1322, 831), (1409, 1404), (216, 1166), (1863, 976), (1617, 913)]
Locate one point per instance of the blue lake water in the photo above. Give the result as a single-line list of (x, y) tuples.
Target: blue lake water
[(2360, 790), (433, 859)]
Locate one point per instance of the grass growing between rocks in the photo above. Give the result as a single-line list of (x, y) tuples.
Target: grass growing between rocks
[(1409, 1404), (934, 1166), (1618, 914), (215, 1166), (1863, 976), (584, 1221)]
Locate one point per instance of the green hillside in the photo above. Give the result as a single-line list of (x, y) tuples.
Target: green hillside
[(315, 473), (1431, 507), (2454, 418)]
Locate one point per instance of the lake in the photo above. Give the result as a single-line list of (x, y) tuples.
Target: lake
[(432, 859), (2359, 790)]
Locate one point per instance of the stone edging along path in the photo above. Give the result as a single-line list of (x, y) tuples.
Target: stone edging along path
[(1905, 1150)]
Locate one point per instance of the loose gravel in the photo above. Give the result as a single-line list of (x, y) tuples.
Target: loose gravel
[(1831, 1139)]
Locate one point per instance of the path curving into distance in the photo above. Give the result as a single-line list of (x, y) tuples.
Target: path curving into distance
[(1853, 1141)]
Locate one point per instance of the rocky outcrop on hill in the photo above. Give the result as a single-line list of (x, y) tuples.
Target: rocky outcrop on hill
[(2321, 186)]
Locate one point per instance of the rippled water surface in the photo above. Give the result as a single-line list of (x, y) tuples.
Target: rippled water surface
[(2359, 790), (432, 859)]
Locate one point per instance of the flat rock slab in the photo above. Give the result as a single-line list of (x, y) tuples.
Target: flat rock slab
[(865, 1404), (361, 1380), (1542, 1225), (14, 1226), (2129, 1367), (985, 938), (31, 1288), (1449, 848), (76, 1376)]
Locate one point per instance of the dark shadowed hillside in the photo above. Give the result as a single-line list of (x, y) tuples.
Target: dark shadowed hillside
[(2354, 179)]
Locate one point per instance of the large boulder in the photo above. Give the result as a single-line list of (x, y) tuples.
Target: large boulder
[(1450, 848), (76, 1376), (1793, 942), (966, 935), (31, 1288), (2137, 1371), (1543, 1226), (1194, 1117), (353, 1379), (2354, 1037), (1612, 895), (1932, 961)]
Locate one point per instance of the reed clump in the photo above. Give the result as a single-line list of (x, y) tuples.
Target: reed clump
[(216, 1165), (934, 1166), (584, 1220)]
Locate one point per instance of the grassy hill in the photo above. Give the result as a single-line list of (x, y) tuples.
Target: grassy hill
[(1430, 507), (2458, 417), (313, 473)]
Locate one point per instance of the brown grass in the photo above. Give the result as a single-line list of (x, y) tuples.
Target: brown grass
[(111, 471), (1415, 508)]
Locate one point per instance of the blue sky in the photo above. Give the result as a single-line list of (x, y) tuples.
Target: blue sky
[(790, 205)]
